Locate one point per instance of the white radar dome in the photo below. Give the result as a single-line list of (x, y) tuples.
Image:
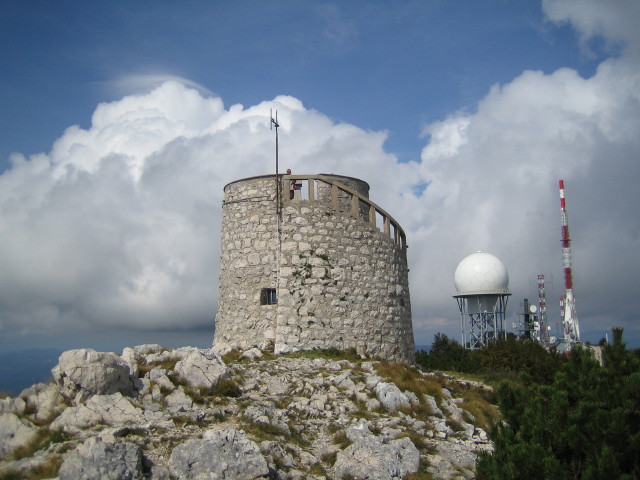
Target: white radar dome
[(481, 273)]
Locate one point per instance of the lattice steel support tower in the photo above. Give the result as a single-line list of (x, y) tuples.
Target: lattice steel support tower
[(542, 316), (571, 329), (482, 318)]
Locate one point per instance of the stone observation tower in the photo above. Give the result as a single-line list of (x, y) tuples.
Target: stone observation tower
[(320, 267)]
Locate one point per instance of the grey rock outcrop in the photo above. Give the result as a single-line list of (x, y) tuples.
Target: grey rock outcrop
[(390, 396), (202, 368), (83, 373), (372, 459), (98, 460), (288, 418), (12, 405), (45, 399), (14, 433), (220, 454), (113, 410)]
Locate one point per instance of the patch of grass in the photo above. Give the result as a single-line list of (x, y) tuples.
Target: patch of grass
[(164, 390), (296, 435), (362, 411), (29, 409), (283, 402), (56, 436), (333, 428), (43, 439), (11, 474), (232, 357), (422, 473), (44, 422), (180, 421), (49, 469), (405, 376), (169, 364), (225, 387), (262, 431), (454, 425), (195, 395), (420, 411), (178, 381), (330, 458), (485, 413), (317, 469), (341, 439), (493, 379), (219, 415), (462, 389), (419, 441)]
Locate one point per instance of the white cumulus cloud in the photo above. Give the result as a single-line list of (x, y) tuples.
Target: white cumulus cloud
[(118, 226), (493, 179)]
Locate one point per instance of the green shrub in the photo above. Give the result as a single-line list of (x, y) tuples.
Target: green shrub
[(585, 424)]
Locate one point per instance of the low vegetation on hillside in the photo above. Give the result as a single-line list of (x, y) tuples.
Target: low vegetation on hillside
[(563, 417)]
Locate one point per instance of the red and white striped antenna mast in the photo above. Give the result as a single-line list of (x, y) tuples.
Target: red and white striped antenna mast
[(569, 316)]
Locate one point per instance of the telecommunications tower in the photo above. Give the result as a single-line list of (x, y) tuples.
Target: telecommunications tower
[(542, 304), (571, 330)]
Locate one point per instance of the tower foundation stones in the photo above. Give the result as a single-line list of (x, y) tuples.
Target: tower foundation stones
[(320, 267)]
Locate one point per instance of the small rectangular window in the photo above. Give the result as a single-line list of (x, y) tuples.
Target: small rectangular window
[(268, 296)]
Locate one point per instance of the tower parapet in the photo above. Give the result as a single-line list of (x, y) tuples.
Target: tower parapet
[(322, 267)]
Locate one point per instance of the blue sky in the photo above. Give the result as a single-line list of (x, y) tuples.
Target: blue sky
[(392, 66), (122, 121)]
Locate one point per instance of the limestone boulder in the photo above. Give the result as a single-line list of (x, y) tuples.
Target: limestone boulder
[(134, 355), (132, 358), (114, 410), (433, 406), (202, 368), (15, 405), (98, 460), (252, 354), (45, 399), (370, 458), (220, 454), (14, 432), (178, 401), (391, 397), (362, 428), (82, 373), (276, 451)]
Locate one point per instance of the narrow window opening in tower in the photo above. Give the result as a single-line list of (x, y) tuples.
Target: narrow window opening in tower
[(268, 296)]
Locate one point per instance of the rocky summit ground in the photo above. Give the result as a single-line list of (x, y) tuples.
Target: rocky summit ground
[(156, 413)]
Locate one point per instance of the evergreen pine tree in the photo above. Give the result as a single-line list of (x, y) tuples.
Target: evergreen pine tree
[(584, 425)]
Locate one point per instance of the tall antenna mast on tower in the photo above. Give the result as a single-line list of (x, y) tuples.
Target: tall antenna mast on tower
[(274, 123), (570, 318)]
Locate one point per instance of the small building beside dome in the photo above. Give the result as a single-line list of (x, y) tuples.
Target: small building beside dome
[(482, 286)]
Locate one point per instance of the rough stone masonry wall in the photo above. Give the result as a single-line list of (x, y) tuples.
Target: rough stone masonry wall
[(248, 263), (341, 284)]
